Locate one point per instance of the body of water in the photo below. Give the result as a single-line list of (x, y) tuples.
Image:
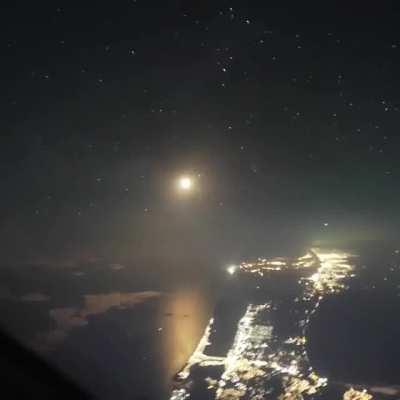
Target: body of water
[(122, 334)]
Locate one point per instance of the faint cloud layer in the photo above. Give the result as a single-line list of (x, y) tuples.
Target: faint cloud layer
[(68, 318), (6, 294), (35, 297), (117, 267), (387, 390)]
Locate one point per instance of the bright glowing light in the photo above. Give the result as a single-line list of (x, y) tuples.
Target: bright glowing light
[(185, 183), (231, 269)]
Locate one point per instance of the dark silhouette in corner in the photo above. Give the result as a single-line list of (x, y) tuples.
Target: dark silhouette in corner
[(25, 375)]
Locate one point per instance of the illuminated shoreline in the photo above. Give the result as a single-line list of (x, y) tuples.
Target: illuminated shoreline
[(258, 357)]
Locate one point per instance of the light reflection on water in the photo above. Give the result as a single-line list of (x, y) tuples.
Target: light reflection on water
[(182, 317)]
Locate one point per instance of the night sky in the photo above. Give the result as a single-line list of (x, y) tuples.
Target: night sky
[(286, 115)]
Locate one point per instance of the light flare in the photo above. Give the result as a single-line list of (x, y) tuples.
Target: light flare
[(185, 183)]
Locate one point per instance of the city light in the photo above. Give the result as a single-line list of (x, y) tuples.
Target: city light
[(231, 269)]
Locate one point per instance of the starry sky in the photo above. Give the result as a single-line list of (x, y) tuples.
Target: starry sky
[(286, 114)]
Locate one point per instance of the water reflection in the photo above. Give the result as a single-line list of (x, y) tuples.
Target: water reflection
[(116, 334), (182, 317)]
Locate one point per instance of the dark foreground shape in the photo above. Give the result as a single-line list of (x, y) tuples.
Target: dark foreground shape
[(26, 376)]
